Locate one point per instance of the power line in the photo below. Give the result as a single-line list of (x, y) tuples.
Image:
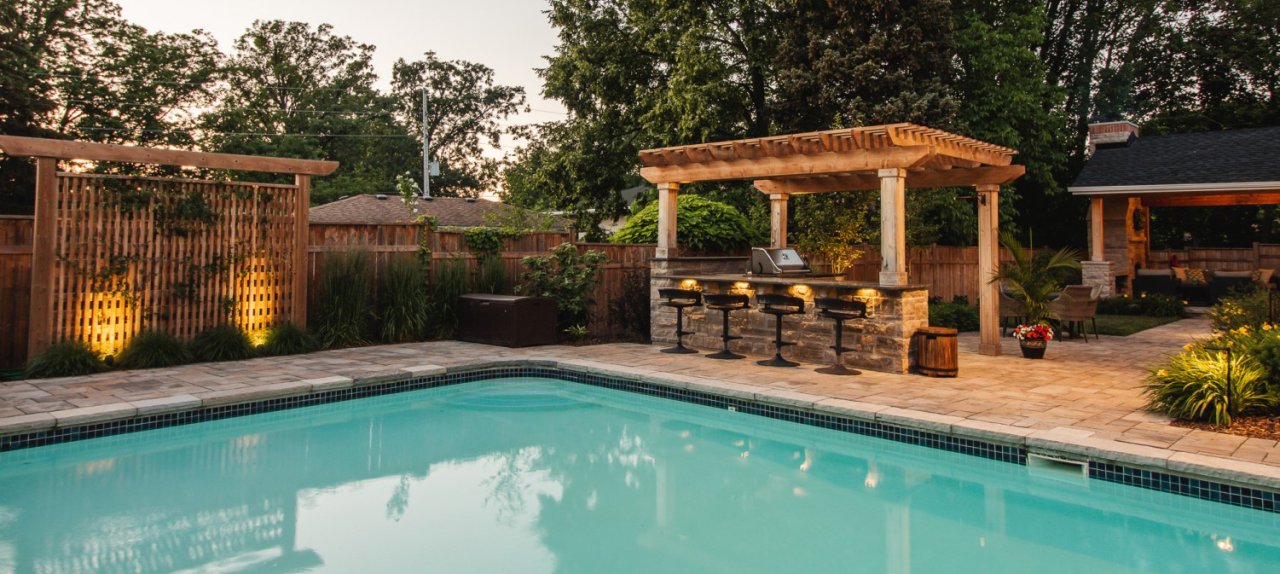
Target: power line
[(259, 134), (211, 81), (135, 104)]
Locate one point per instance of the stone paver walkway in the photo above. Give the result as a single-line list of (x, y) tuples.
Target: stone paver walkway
[(1085, 394)]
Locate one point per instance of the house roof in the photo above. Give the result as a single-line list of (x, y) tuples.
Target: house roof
[(390, 210), (1185, 161)]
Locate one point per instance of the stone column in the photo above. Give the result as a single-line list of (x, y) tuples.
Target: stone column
[(667, 198), (893, 229), (1098, 271), (988, 263), (1099, 274), (778, 220)]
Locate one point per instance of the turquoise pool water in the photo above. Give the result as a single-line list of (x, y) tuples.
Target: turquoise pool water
[(537, 475)]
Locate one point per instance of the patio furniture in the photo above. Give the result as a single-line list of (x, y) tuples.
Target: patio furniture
[(680, 299), (937, 352), (1076, 306), (839, 311), (779, 306), (1011, 311), (726, 303)]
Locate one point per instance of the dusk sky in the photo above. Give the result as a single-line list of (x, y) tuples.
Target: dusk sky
[(510, 36)]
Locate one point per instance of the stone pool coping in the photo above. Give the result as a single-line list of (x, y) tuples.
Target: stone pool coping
[(1068, 443)]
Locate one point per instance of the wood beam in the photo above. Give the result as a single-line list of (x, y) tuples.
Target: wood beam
[(791, 165), (44, 252), (908, 134), (893, 227), (778, 220), (61, 149), (956, 177), (301, 255), (668, 201), (988, 260), (1211, 200), (1097, 241)]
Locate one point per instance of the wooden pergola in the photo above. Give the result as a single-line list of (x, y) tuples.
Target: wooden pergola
[(890, 158)]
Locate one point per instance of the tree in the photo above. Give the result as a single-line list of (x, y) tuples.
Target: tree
[(466, 110), (76, 69), (297, 91)]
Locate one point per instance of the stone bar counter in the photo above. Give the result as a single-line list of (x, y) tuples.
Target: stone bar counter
[(883, 343)]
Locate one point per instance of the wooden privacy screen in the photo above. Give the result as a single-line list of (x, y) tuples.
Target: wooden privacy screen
[(180, 256)]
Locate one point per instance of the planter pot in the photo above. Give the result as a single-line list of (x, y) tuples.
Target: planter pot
[(1033, 349)]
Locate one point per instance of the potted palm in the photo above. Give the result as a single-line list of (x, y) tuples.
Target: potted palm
[(1034, 281)]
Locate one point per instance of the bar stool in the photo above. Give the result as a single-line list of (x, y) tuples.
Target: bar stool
[(779, 306), (726, 303), (839, 311), (680, 299)]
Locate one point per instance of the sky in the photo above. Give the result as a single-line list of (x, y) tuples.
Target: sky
[(510, 36)]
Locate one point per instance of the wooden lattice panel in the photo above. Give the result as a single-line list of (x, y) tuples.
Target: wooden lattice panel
[(179, 256)]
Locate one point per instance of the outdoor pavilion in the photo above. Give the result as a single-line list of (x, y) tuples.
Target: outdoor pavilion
[(889, 158), (1127, 175)]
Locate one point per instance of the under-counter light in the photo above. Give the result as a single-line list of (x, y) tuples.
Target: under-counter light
[(741, 285), (689, 284)]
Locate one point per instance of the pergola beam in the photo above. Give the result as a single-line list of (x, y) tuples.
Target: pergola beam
[(956, 177), (18, 146), (1214, 200), (791, 165)]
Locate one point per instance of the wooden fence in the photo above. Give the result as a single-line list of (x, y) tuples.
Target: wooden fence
[(1260, 256), (948, 271), (16, 237)]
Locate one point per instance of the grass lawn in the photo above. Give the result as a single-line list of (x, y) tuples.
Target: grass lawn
[(1124, 325)]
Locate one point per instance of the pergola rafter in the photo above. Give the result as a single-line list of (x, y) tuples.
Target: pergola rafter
[(889, 158)]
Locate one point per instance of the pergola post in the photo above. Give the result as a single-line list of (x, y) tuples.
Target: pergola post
[(667, 203), (43, 255), (988, 261), (778, 220), (1096, 239), (893, 229)]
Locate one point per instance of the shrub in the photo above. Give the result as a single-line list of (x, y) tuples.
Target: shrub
[(222, 343), (1193, 386), (493, 277), (702, 225), (1151, 305), (405, 306), (289, 339), (568, 277), (65, 359), (153, 349), (1240, 310), (450, 283), (958, 316), (343, 308)]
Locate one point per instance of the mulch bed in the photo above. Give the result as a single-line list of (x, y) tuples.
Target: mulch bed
[(1264, 426)]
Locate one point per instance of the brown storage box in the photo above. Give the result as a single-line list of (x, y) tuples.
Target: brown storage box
[(506, 320)]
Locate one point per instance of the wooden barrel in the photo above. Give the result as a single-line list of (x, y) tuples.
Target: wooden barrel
[(937, 352)]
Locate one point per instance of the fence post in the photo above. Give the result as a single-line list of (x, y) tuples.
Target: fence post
[(43, 253), (301, 244)]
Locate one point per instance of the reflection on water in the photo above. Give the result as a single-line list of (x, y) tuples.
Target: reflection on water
[(553, 477)]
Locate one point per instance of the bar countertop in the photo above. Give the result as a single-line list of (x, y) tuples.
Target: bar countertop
[(827, 281)]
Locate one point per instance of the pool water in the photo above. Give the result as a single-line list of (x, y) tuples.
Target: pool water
[(538, 475)]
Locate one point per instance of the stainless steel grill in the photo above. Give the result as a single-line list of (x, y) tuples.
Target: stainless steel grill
[(784, 261)]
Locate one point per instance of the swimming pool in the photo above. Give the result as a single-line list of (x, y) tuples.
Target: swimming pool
[(542, 475)]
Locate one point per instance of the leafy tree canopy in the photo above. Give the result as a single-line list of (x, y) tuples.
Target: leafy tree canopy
[(702, 225)]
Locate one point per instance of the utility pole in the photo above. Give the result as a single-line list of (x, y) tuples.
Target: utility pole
[(426, 149)]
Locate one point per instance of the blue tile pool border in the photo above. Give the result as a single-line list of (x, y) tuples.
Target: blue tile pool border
[(1247, 497)]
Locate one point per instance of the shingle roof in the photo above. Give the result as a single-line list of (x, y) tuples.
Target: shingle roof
[(390, 209), (1248, 155)]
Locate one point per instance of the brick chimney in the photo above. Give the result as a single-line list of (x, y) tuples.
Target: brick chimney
[(1112, 134)]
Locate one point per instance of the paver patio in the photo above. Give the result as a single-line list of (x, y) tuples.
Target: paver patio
[(1080, 393)]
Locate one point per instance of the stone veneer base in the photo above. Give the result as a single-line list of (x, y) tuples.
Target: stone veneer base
[(1193, 479)]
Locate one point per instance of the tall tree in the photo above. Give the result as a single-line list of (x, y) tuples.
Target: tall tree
[(294, 90), (466, 111)]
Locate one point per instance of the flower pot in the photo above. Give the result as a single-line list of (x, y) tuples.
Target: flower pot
[(1033, 349)]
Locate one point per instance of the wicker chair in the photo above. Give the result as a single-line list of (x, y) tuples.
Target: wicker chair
[(1011, 311), (1076, 306)]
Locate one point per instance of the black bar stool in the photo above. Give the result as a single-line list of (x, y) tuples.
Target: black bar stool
[(726, 303), (840, 310), (680, 299), (779, 306)]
